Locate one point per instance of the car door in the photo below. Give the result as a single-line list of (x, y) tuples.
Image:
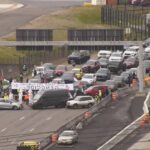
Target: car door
[(83, 101), (7, 104)]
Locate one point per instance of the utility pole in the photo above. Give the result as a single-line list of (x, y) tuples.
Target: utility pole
[(141, 69)]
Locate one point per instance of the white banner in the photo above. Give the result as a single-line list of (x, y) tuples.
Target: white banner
[(41, 86)]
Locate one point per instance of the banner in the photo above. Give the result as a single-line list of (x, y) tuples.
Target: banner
[(41, 86)]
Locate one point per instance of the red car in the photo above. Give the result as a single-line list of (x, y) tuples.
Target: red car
[(94, 90), (60, 69)]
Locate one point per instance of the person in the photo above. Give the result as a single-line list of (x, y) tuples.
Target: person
[(6, 97), (24, 68), (134, 75), (100, 94), (21, 77), (129, 80)]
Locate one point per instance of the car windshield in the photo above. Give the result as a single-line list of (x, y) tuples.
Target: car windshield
[(116, 55), (88, 76), (67, 133), (91, 62)]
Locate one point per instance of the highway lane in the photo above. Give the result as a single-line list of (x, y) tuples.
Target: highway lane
[(21, 125), (107, 123), (32, 9)]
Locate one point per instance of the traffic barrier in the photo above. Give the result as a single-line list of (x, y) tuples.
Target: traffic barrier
[(114, 96), (87, 115), (54, 138)]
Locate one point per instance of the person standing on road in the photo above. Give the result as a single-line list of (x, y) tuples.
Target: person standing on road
[(21, 77), (129, 80)]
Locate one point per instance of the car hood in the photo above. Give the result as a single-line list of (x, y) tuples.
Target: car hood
[(65, 138)]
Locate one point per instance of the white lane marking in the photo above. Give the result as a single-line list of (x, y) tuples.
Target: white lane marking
[(3, 129), (22, 118), (49, 118), (32, 129)]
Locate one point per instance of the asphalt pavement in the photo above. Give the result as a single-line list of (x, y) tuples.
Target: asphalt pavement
[(28, 124), (107, 123), (32, 9)]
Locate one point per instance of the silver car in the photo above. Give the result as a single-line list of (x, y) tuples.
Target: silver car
[(8, 104), (68, 137)]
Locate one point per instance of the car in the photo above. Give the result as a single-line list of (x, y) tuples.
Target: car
[(58, 81), (78, 73), (104, 54), (89, 77), (116, 56), (116, 66), (133, 70), (35, 80), (81, 101), (131, 51), (48, 75), (9, 104), (60, 69), (49, 66), (94, 90), (68, 77), (29, 144), (103, 62), (79, 57), (103, 74), (91, 66), (147, 49), (146, 55), (119, 81), (40, 69), (146, 64), (131, 62), (125, 76), (111, 84), (68, 137)]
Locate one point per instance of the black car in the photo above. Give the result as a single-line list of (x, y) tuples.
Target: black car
[(116, 66), (119, 81), (103, 62), (103, 74), (78, 57)]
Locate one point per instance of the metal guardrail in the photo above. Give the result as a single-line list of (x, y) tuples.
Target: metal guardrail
[(69, 43)]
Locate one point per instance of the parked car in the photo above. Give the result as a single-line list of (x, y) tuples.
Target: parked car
[(58, 81), (116, 66), (119, 81), (78, 73), (94, 90), (68, 137), (89, 77), (9, 104), (49, 66), (131, 62), (103, 74), (47, 98), (91, 66), (79, 57), (29, 144), (60, 69), (81, 101), (111, 84), (133, 70), (125, 76), (49, 75), (103, 62), (104, 54), (116, 56), (131, 51)]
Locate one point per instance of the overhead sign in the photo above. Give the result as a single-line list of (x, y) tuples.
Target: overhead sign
[(41, 86)]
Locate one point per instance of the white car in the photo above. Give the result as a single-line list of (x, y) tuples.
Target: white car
[(116, 56), (40, 69), (89, 78), (147, 49), (58, 81), (104, 54), (81, 101), (131, 51), (68, 137)]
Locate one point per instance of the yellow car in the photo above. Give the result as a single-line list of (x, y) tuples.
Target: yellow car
[(34, 145), (78, 73), (147, 79)]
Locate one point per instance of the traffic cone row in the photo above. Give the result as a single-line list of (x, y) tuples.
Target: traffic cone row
[(144, 120)]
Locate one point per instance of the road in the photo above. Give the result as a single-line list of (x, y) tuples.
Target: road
[(27, 124), (32, 9), (107, 123)]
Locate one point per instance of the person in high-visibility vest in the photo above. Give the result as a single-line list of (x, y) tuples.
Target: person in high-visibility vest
[(100, 94), (6, 97)]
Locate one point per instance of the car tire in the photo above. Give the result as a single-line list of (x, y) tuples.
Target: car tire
[(75, 106), (15, 108)]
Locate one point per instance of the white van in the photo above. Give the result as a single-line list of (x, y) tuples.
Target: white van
[(104, 54)]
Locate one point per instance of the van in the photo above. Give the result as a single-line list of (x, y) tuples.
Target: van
[(47, 98)]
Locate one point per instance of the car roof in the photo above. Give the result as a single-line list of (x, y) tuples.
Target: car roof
[(106, 51), (83, 96)]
